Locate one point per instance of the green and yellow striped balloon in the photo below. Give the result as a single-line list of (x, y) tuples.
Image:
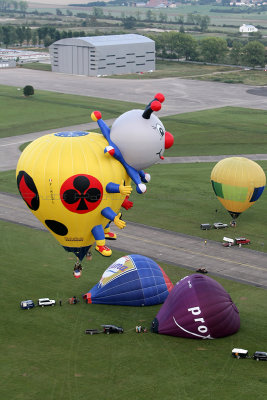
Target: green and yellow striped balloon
[(237, 182)]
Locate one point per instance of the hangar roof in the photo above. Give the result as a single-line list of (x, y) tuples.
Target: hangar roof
[(105, 40)]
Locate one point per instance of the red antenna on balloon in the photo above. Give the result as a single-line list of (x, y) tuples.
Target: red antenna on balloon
[(154, 105)]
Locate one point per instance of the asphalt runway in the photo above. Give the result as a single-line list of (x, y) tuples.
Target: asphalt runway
[(240, 264)]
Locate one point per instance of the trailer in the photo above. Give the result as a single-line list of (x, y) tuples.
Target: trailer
[(240, 353)]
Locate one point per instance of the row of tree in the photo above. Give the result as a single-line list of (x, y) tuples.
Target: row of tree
[(7, 5), (172, 45), (178, 45), (45, 35)]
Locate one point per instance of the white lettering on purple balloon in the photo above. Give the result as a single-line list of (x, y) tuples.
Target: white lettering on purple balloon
[(191, 333)]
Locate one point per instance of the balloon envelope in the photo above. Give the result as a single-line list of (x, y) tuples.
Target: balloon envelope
[(237, 182), (132, 280), (198, 307), (62, 178)]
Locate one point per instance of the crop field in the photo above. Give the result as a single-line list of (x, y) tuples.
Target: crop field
[(216, 18), (228, 21)]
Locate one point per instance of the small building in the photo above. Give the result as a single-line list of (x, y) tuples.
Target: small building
[(157, 3), (247, 28), (8, 64), (103, 55), (23, 56)]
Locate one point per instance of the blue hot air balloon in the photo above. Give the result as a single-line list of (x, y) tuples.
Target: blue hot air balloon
[(132, 280), (198, 307)]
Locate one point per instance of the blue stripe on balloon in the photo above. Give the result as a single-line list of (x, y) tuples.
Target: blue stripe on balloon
[(257, 193)]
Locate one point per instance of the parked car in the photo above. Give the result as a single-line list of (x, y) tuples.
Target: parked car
[(219, 225), (242, 240), (26, 304), (46, 302), (205, 226), (260, 355), (112, 329)]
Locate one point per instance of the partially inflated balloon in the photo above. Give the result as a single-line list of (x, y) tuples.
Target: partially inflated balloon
[(132, 280), (62, 178), (237, 182), (198, 307)]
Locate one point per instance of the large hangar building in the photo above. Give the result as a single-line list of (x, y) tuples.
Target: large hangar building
[(103, 55)]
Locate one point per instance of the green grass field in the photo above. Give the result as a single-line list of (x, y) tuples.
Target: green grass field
[(46, 355), (44, 352), (218, 73), (180, 198), (37, 66), (227, 130), (47, 110), (172, 69), (247, 77)]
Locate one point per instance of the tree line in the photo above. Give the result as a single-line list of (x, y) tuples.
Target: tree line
[(169, 45), (9, 5), (17, 35), (182, 46)]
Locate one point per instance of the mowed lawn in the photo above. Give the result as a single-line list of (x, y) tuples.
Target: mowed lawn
[(46, 355), (180, 197), (48, 110), (226, 130)]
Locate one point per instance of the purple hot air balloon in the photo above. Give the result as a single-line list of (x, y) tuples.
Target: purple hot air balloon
[(198, 307)]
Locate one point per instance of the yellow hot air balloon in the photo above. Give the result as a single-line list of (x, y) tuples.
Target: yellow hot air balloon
[(237, 182), (73, 188), (76, 182)]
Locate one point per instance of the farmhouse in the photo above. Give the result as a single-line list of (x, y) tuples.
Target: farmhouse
[(247, 28), (103, 55)]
